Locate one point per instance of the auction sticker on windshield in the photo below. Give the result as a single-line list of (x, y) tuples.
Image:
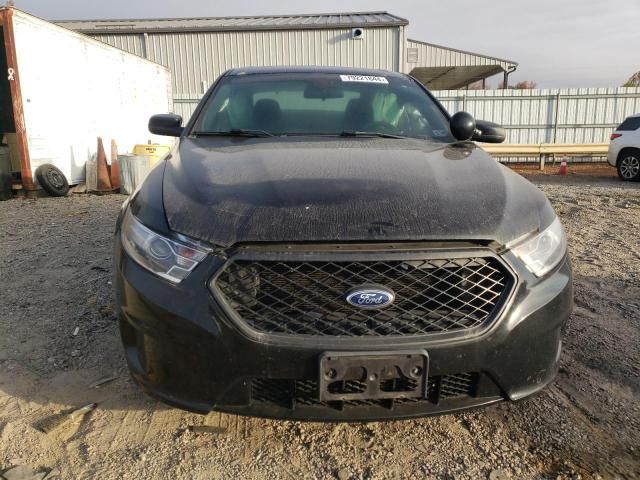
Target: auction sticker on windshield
[(363, 78)]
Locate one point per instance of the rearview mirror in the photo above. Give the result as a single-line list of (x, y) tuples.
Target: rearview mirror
[(489, 132), (168, 124), (462, 126), (320, 93)]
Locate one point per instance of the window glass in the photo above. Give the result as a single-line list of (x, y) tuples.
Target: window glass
[(323, 104), (293, 98), (630, 124)]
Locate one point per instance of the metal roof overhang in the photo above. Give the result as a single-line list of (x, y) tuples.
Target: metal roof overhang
[(451, 78), (249, 23), (444, 68)]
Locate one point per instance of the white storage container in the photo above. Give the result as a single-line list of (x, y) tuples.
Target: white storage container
[(66, 89)]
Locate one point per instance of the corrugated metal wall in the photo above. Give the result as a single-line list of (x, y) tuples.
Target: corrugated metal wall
[(577, 115), (130, 43), (196, 59)]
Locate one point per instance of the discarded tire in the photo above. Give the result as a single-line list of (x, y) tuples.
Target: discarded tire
[(52, 180)]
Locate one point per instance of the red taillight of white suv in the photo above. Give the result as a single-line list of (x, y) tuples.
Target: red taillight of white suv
[(615, 135)]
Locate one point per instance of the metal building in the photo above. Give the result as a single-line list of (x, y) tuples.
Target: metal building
[(198, 50)]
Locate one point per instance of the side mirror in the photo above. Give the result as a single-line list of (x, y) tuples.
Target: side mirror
[(462, 126), (168, 124), (489, 132)]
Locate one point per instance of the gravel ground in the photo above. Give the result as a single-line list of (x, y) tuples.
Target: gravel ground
[(59, 336)]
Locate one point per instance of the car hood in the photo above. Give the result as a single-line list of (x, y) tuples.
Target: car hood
[(232, 190)]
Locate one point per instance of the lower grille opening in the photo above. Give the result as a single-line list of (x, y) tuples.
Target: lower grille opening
[(399, 385), (348, 386), (458, 385), (288, 393)]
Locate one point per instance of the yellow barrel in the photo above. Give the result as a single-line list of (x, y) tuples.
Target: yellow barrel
[(154, 151)]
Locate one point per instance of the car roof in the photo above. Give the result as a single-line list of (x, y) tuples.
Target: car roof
[(315, 69)]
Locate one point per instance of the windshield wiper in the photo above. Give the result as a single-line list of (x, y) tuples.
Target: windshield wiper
[(352, 133), (237, 132)]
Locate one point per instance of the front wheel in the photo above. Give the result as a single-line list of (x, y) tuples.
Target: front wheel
[(629, 166)]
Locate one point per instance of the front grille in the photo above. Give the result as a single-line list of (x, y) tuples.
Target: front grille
[(308, 297), (291, 393)]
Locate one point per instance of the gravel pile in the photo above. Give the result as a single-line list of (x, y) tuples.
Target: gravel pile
[(59, 339)]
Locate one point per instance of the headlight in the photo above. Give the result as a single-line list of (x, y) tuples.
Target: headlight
[(544, 251), (168, 258)]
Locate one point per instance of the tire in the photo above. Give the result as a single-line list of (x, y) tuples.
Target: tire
[(629, 165), (52, 180)]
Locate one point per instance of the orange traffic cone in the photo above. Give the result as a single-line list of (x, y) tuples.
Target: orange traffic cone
[(104, 182), (564, 169)]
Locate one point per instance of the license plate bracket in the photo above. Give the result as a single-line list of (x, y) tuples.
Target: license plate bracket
[(345, 376)]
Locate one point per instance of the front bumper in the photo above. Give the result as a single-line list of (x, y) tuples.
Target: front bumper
[(182, 348)]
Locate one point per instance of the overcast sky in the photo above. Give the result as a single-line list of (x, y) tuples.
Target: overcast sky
[(558, 43)]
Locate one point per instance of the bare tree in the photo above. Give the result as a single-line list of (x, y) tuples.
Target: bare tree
[(523, 85), (526, 85), (475, 85), (634, 80)]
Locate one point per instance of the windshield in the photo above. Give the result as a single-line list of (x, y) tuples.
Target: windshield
[(322, 104)]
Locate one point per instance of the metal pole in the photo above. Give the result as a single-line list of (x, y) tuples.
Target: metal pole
[(555, 121), (145, 50)]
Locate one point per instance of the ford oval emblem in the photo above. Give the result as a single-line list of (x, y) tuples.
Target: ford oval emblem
[(370, 297)]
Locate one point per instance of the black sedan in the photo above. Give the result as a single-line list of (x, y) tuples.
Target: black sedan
[(329, 244)]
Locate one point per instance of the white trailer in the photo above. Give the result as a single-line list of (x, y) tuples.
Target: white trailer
[(60, 90)]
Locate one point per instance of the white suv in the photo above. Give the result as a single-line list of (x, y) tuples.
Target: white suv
[(624, 149)]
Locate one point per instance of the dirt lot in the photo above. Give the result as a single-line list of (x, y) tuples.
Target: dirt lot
[(59, 336)]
